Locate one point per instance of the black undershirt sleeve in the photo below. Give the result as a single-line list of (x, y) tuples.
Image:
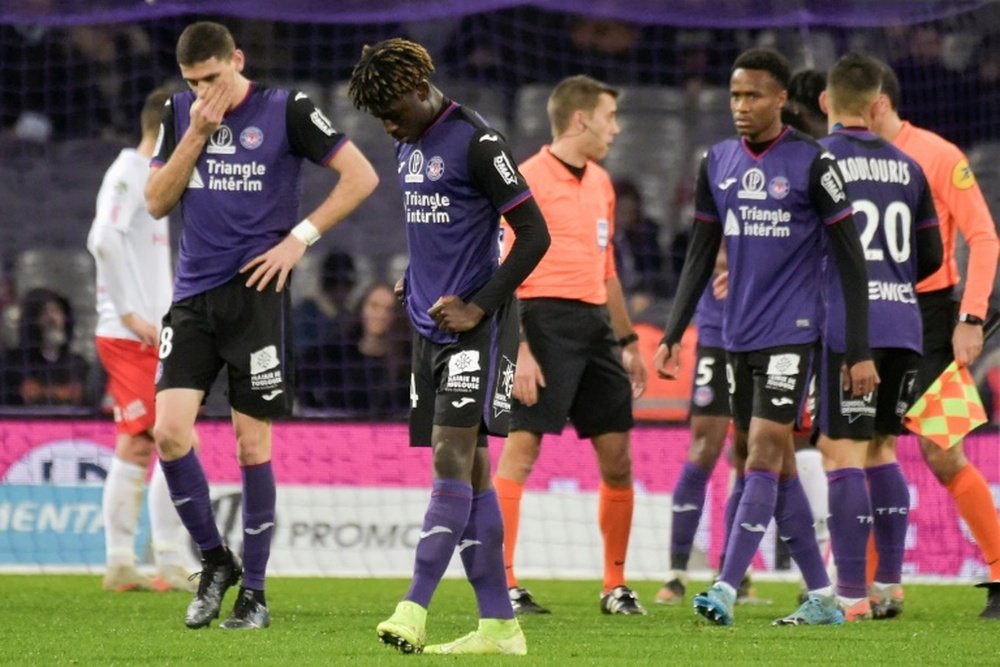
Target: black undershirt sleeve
[(930, 248), (850, 258), (930, 251), (530, 243), (698, 266)]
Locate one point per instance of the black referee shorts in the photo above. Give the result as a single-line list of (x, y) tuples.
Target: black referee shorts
[(585, 381)]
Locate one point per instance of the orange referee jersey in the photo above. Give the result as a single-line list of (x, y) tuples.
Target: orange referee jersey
[(960, 206), (580, 218)]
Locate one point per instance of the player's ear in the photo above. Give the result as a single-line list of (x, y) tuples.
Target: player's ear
[(239, 60), (423, 90), (824, 102)]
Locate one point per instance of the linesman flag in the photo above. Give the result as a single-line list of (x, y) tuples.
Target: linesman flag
[(948, 410)]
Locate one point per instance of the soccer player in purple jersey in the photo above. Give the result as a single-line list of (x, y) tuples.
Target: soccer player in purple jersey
[(457, 178), (229, 152), (902, 244), (770, 193)]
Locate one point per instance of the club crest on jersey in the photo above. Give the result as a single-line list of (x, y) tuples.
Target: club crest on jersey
[(414, 166), (435, 168), (752, 185), (221, 142), (251, 138), (778, 187)]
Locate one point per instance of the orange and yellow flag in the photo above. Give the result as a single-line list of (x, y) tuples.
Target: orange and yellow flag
[(948, 410)]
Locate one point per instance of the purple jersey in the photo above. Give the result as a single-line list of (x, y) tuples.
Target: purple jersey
[(708, 319), (457, 180), (772, 207), (243, 195), (891, 202)]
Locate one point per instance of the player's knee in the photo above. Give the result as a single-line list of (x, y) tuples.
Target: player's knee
[(172, 440)]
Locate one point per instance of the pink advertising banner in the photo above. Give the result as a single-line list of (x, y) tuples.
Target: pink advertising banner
[(376, 456)]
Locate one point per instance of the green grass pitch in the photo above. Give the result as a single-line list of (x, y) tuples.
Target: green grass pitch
[(69, 620)]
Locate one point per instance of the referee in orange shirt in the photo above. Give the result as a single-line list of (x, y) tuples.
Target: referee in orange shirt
[(579, 358), (951, 330)]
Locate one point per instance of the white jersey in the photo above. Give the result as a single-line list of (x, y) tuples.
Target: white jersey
[(131, 249)]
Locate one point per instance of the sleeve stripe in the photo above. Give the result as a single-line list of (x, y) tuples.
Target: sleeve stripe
[(328, 158), (512, 203), (842, 215), (705, 217), (929, 222), (155, 162)]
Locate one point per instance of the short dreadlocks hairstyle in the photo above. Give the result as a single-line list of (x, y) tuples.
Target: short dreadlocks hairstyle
[(386, 72)]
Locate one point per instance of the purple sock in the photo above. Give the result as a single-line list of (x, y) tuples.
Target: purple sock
[(688, 502), (749, 523), (890, 504), (850, 524), (444, 522), (189, 493), (732, 503), (481, 549), (258, 522), (795, 527)]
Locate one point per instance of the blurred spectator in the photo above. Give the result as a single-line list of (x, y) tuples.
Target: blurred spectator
[(319, 320), (638, 255), (41, 370), (985, 104), (934, 96), (365, 372)]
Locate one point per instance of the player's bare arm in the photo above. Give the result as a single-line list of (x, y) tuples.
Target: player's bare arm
[(667, 361), (146, 331), (967, 342), (166, 184), (357, 180), (528, 376), (454, 315), (622, 326)]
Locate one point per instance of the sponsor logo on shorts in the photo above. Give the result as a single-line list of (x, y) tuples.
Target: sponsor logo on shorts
[(134, 410), (856, 407), (505, 386), (784, 400), (264, 372), (463, 372), (270, 396), (703, 396), (462, 402), (782, 371)]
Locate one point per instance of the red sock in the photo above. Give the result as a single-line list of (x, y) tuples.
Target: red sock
[(614, 515), (975, 504), (509, 494)]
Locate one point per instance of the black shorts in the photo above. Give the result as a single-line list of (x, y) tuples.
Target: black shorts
[(710, 390), (939, 313), (769, 384), (247, 331), (585, 381), (838, 415), (465, 383)]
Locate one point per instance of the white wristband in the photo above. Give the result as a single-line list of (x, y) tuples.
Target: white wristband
[(306, 232)]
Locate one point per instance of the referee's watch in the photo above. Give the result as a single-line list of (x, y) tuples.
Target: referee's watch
[(969, 318), (628, 339)]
